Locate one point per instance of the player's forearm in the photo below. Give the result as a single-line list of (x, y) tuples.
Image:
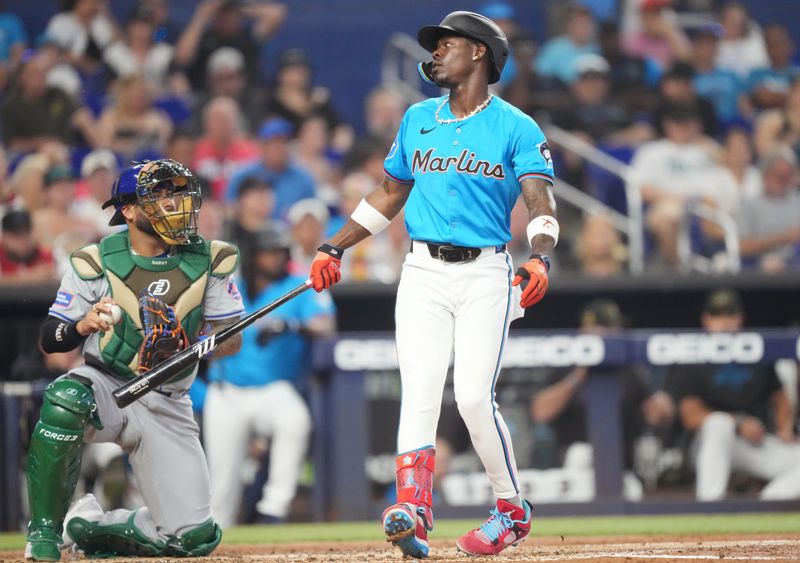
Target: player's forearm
[(387, 199), (550, 402), (540, 202), (59, 336), (782, 411), (230, 347), (693, 412)]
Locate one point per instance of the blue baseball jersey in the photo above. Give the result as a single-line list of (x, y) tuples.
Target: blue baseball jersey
[(466, 174), (285, 356)]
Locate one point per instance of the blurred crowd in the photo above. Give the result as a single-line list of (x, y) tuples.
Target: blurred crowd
[(700, 99)]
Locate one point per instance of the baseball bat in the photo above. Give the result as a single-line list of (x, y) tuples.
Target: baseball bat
[(124, 395)]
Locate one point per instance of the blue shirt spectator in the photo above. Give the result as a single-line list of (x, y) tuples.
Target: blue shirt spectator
[(769, 86), (723, 89), (290, 182), (12, 34), (557, 57)]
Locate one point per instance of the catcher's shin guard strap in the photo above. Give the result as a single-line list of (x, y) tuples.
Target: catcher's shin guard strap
[(415, 477)]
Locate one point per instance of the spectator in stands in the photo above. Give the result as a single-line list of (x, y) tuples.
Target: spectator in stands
[(224, 147), (308, 219), (591, 114), (778, 127), (85, 28), (383, 112), (669, 172), (735, 180), (562, 403), (13, 40), (677, 87), (739, 415), (254, 205), (529, 90), (138, 53), (557, 56), (722, 87), (629, 74), (226, 78), (600, 249), (132, 127), (295, 98), (256, 390), (769, 224), (165, 30), (181, 148), (769, 85), (742, 47), (27, 181), (33, 113), (227, 23), (312, 150), (275, 167), (54, 226), (98, 171), (659, 39), (22, 259), (60, 73)]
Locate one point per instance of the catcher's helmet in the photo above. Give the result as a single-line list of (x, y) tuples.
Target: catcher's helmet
[(474, 26), (147, 184)]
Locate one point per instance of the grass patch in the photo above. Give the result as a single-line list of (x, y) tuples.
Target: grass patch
[(694, 524)]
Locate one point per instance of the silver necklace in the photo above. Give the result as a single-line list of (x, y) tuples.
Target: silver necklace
[(483, 105)]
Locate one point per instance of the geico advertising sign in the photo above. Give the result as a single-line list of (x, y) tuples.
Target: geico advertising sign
[(351, 354), (699, 348)]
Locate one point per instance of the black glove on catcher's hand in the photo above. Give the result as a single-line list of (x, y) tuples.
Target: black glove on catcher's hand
[(163, 334)]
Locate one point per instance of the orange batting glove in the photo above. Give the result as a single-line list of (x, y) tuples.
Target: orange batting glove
[(325, 269), (533, 277)]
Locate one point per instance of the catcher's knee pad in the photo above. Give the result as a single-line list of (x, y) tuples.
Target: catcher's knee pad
[(195, 542), (69, 404)]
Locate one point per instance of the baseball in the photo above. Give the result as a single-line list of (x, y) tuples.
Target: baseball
[(113, 315)]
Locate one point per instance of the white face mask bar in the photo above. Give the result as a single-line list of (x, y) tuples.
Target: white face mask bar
[(369, 217), (543, 225)]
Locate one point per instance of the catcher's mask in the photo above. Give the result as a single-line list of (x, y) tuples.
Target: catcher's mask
[(166, 191)]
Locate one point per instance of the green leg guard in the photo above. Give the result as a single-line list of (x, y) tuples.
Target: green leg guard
[(197, 542), (54, 462), (108, 540)]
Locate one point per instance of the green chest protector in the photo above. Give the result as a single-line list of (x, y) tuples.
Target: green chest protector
[(179, 280)]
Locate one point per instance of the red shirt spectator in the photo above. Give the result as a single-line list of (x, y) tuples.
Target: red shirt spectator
[(22, 260), (224, 148)]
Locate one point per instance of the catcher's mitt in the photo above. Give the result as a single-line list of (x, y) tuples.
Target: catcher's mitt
[(163, 333)]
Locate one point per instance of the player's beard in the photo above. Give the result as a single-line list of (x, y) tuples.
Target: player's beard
[(145, 226)]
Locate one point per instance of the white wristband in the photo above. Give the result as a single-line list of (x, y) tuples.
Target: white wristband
[(543, 225), (369, 217)]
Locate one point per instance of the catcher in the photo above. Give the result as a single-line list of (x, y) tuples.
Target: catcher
[(171, 286)]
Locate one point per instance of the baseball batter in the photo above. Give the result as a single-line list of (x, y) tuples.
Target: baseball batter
[(458, 165), (169, 284)]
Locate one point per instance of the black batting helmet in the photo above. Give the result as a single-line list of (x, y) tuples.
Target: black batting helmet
[(473, 26)]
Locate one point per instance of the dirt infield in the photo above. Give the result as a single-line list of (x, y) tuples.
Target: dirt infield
[(601, 550)]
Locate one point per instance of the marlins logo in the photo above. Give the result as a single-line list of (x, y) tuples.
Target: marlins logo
[(544, 150)]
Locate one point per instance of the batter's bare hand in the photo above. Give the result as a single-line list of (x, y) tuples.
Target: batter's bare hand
[(92, 322), (751, 429), (532, 276), (326, 267)]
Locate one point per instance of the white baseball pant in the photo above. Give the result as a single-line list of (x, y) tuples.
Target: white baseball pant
[(463, 309), (231, 416), (719, 450)]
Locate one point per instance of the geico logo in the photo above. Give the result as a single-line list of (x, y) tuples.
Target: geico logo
[(720, 348), (59, 437), (352, 354), (556, 351)]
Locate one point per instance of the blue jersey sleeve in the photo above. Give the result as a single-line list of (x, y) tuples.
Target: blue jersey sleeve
[(396, 164), (530, 155)]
